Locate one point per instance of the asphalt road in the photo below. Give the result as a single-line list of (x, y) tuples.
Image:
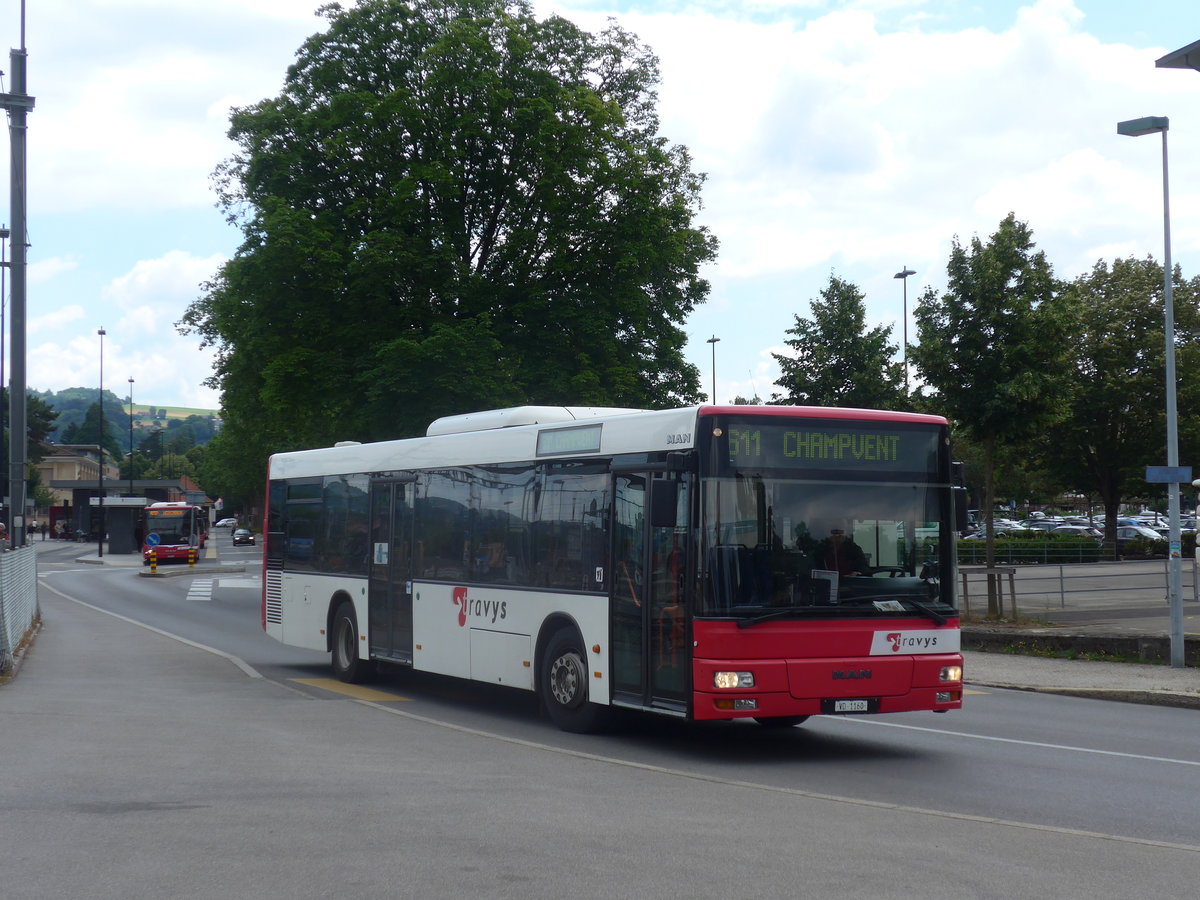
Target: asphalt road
[(135, 764)]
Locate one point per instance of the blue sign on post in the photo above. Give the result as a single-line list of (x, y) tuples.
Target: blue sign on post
[(1169, 474), (152, 539)]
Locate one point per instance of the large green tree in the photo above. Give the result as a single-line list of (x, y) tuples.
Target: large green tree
[(835, 360), (451, 205), (995, 349), (1117, 407)]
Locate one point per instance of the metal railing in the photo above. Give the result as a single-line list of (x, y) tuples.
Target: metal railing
[(1033, 589)]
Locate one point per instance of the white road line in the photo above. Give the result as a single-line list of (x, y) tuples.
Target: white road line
[(1041, 744), (201, 589)]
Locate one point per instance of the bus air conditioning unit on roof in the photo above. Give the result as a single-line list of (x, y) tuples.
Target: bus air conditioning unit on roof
[(490, 419)]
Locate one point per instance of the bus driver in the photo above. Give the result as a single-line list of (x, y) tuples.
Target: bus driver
[(839, 553)]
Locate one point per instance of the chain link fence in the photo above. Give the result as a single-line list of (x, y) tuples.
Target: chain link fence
[(18, 601)]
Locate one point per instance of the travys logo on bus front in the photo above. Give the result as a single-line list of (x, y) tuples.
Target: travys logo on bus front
[(489, 611), (890, 643)]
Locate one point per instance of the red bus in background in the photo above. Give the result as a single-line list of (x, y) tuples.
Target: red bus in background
[(172, 529), (718, 562)]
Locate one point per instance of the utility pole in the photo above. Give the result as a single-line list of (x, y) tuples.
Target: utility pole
[(17, 103)]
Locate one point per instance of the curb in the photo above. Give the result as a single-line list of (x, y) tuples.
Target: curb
[(23, 648), (175, 571), (1146, 698), (1145, 647)]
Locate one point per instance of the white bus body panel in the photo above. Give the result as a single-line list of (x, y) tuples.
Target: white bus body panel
[(298, 613), (477, 632), (486, 633)]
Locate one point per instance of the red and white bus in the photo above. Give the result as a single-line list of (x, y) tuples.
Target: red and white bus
[(715, 562), (173, 529)]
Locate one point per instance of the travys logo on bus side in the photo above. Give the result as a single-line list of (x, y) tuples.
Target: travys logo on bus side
[(489, 611)]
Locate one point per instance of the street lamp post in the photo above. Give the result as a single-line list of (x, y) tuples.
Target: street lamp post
[(903, 276), (130, 435), (1137, 128), (101, 332), (714, 340), (4, 236)]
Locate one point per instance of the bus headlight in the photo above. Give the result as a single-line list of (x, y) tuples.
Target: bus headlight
[(727, 680), (950, 673)]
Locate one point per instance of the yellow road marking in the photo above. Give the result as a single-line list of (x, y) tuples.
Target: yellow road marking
[(974, 692), (350, 690)]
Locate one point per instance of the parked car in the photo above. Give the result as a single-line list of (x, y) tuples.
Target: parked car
[(225, 523), (1127, 534), (243, 536), (1079, 530), (1041, 524)]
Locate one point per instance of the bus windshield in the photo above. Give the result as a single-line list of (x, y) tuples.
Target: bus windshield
[(173, 526), (827, 520), (827, 549)]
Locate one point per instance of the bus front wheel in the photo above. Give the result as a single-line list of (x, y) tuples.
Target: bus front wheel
[(346, 664), (564, 685)]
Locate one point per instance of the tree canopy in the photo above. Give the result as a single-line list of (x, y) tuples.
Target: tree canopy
[(836, 360), (994, 347), (451, 205), (1116, 423)]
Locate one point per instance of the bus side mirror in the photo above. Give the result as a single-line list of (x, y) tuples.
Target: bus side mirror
[(664, 498), (961, 521)]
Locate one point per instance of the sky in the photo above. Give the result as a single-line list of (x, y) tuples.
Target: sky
[(851, 138)]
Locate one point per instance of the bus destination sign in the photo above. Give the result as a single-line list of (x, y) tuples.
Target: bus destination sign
[(842, 446)]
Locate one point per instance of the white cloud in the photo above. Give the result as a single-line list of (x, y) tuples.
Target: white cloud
[(143, 343), (46, 270), (855, 137), (53, 322)]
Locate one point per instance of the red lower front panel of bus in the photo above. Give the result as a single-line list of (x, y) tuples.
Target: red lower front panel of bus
[(808, 668), (164, 552)]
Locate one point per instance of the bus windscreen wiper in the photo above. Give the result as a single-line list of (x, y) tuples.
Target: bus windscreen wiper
[(932, 613), (779, 613)]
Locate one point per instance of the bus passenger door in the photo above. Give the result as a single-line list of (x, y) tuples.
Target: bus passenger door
[(649, 623), (390, 584)]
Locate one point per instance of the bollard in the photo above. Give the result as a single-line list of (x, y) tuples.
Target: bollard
[(191, 557), (153, 561)]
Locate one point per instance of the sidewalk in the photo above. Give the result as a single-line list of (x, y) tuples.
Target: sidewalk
[(1127, 682)]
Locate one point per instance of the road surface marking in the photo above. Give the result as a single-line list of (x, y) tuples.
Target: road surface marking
[(350, 690), (200, 589)]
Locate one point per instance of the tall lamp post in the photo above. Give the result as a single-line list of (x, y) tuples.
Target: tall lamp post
[(4, 236), (903, 276), (101, 332), (1137, 128), (130, 435), (714, 340)]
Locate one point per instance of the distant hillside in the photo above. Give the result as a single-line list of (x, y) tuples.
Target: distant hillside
[(72, 406), (147, 412)]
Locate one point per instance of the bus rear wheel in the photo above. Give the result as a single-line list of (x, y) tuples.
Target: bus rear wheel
[(346, 664), (564, 685), (781, 721)]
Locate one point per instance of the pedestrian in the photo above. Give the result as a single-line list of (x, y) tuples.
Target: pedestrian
[(44, 530)]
